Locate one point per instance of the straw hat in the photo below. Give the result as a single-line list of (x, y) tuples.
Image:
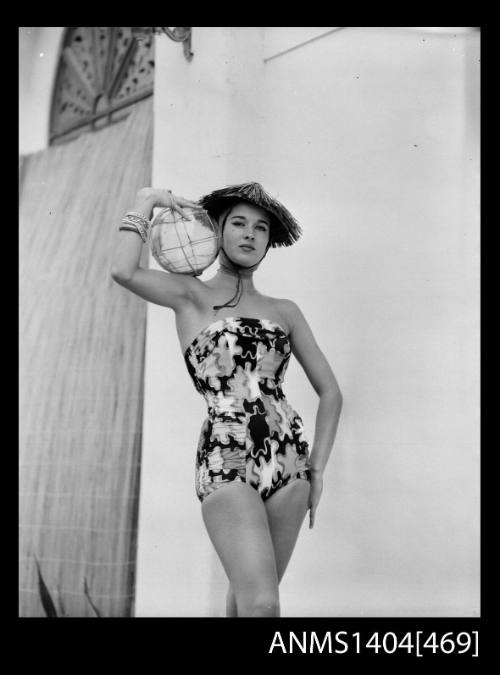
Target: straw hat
[(284, 228)]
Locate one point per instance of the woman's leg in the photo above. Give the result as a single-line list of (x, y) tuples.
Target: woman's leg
[(236, 521), (286, 510)]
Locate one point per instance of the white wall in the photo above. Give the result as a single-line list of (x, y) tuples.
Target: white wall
[(370, 137)]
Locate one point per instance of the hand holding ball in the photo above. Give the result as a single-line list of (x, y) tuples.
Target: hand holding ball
[(184, 245)]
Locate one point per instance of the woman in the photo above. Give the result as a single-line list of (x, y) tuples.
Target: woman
[(255, 477)]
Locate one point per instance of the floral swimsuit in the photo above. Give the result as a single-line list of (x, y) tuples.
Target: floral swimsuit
[(251, 434)]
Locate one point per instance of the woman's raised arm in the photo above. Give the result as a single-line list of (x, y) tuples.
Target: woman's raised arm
[(162, 288)]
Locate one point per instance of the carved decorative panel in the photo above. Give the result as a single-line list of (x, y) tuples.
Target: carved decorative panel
[(102, 71)]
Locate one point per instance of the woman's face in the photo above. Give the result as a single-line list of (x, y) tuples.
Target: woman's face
[(247, 225)]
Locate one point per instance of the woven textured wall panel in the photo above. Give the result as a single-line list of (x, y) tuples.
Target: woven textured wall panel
[(81, 373)]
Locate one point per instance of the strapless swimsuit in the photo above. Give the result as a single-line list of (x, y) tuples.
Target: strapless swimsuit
[(251, 434)]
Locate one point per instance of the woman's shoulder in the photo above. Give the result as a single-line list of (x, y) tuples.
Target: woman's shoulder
[(199, 289), (285, 305), (286, 309)]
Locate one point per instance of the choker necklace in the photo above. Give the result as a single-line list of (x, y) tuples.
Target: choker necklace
[(227, 266), (231, 272)]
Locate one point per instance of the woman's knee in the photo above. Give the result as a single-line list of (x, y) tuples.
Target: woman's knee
[(264, 603)]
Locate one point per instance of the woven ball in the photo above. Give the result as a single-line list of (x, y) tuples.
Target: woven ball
[(184, 246)]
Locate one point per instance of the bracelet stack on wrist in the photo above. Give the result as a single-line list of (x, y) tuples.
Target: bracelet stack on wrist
[(136, 222)]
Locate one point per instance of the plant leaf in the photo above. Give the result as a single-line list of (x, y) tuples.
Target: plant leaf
[(47, 603), (87, 594), (62, 609)]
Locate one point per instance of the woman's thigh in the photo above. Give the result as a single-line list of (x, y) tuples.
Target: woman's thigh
[(236, 522), (286, 510)]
